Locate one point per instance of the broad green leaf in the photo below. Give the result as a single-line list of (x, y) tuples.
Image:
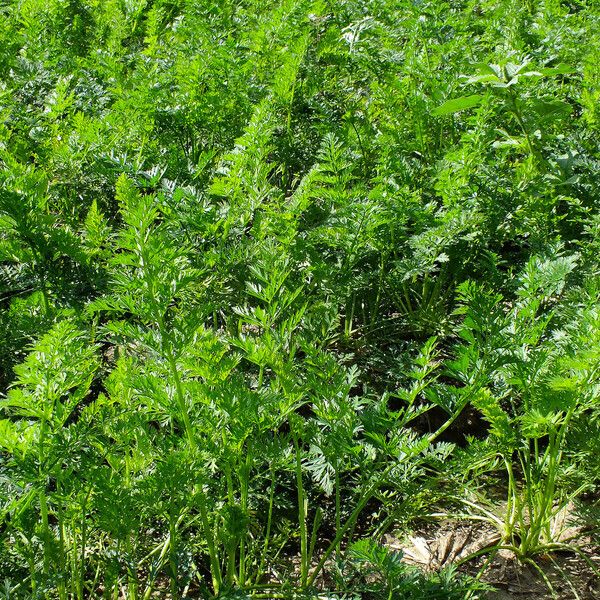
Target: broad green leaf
[(458, 104), (560, 69), (550, 108), (487, 78)]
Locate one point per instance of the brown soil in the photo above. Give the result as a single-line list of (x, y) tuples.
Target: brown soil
[(445, 542)]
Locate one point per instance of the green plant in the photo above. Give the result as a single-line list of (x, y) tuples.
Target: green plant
[(51, 383), (530, 388), (395, 579), (269, 273)]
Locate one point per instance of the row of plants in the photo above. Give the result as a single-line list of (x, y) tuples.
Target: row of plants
[(279, 278)]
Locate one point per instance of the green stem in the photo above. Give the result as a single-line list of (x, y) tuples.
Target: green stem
[(511, 504), (43, 499), (265, 549), (347, 525), (180, 397), (261, 373), (231, 546), (360, 145), (62, 562), (302, 515), (81, 579), (173, 556), (45, 531), (244, 479), (519, 117), (132, 582), (531, 493), (375, 313), (313, 535), (338, 510), (212, 552)]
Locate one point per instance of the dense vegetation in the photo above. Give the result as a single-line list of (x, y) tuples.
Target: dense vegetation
[(277, 278)]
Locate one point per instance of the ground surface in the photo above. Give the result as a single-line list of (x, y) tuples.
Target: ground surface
[(441, 543)]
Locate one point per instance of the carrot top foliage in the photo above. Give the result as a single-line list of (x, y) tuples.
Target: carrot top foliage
[(279, 277)]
